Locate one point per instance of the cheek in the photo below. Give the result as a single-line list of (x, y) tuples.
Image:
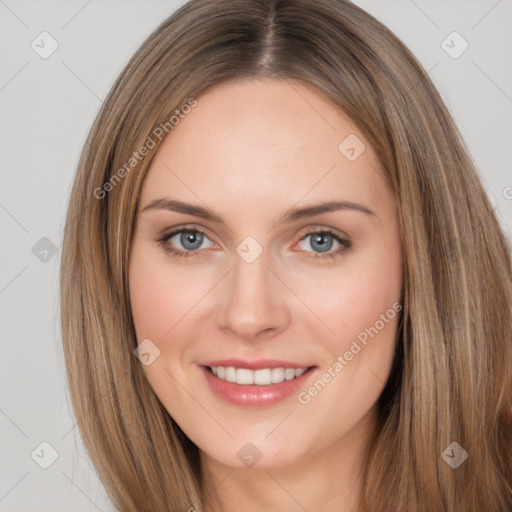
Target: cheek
[(352, 298), (161, 294), (358, 358), (362, 307), (161, 297)]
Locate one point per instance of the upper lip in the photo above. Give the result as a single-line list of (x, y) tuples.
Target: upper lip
[(255, 365)]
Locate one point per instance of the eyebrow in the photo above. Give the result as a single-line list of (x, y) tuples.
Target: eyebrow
[(291, 216)]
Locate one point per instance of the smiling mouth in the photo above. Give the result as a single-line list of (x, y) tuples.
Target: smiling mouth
[(261, 377)]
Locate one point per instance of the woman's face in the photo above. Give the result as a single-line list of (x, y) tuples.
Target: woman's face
[(266, 281)]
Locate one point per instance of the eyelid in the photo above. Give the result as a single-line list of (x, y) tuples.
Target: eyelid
[(168, 233), (320, 228)]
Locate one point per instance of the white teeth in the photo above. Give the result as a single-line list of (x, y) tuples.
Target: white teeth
[(263, 377), (230, 374), (289, 374), (244, 376), (277, 375), (299, 372)]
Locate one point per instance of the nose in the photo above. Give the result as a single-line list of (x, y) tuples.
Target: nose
[(254, 302)]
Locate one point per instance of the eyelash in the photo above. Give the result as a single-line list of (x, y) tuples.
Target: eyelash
[(345, 244)]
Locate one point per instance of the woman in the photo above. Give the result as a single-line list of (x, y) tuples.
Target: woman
[(282, 285)]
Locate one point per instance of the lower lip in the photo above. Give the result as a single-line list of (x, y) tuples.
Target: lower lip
[(254, 395)]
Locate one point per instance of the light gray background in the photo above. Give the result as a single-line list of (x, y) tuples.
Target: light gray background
[(46, 109)]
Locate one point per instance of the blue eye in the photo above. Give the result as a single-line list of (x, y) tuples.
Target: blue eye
[(191, 240), (322, 240)]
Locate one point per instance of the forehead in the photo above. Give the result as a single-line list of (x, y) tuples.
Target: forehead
[(265, 142)]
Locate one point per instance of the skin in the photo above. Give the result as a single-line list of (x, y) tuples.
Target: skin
[(250, 151)]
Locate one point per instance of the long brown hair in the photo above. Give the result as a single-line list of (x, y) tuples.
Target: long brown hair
[(452, 377)]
